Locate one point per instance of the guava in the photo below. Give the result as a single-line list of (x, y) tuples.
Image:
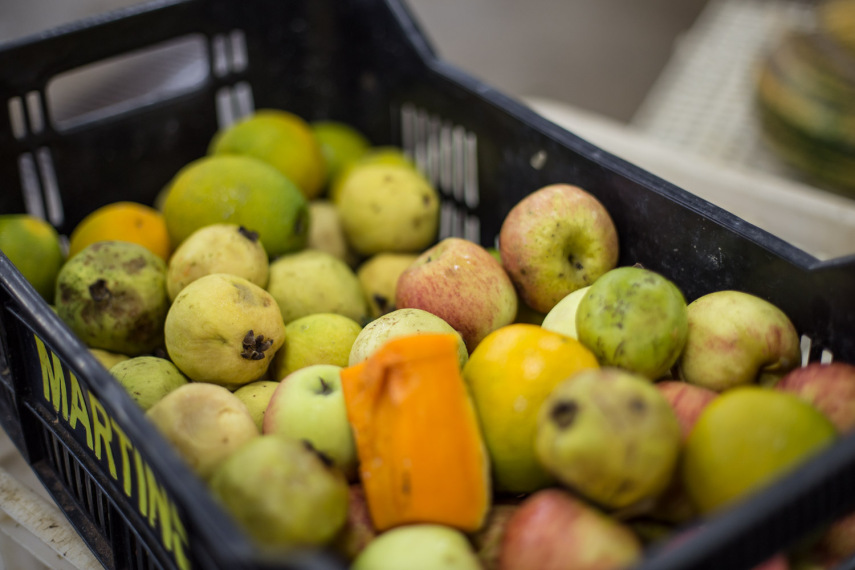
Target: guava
[(610, 435), (217, 248), (223, 329), (112, 294), (148, 378), (313, 281), (204, 423), (282, 492)]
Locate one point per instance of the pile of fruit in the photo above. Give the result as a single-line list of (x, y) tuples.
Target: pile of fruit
[(288, 321)]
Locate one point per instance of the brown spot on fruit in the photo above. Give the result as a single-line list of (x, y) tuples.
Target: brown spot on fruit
[(563, 413), (99, 291)]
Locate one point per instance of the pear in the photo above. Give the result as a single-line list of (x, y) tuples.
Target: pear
[(217, 248), (610, 435), (112, 294), (223, 329)]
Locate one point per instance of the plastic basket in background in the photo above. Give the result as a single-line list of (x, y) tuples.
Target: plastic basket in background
[(189, 67)]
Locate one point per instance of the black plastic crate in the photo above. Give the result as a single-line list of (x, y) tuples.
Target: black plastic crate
[(365, 62)]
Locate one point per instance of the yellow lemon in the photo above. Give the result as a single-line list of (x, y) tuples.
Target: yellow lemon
[(340, 144), (123, 221), (744, 439), (238, 190), (33, 246), (281, 139), (510, 374)]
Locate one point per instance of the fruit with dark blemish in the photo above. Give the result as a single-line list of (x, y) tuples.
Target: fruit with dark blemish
[(217, 248), (223, 329), (282, 492), (634, 318), (113, 296), (609, 435)]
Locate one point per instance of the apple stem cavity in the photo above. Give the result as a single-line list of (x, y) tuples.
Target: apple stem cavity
[(325, 388), (564, 413), (254, 347)]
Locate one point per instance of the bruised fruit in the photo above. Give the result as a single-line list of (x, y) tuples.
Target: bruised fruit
[(113, 296), (610, 435), (205, 423), (218, 248), (635, 319), (223, 329), (734, 339), (148, 378), (282, 492)]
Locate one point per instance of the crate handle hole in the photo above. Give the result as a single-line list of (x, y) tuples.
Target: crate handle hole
[(119, 84)]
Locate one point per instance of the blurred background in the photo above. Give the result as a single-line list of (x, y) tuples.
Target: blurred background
[(669, 85)]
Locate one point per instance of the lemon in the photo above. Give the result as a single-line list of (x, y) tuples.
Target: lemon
[(340, 143), (123, 221), (510, 374), (744, 439), (320, 338), (34, 247), (239, 190), (388, 155), (283, 140)]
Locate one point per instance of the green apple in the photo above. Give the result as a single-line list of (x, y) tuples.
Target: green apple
[(735, 338), (401, 322), (309, 405), (562, 317), (418, 546), (459, 281), (555, 240), (635, 319), (610, 435), (313, 281)]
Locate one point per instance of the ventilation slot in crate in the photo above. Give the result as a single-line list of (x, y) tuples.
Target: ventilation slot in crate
[(82, 488), (447, 154)]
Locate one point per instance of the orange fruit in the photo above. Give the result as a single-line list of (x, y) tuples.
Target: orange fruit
[(282, 140), (509, 375), (123, 221), (34, 247)]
